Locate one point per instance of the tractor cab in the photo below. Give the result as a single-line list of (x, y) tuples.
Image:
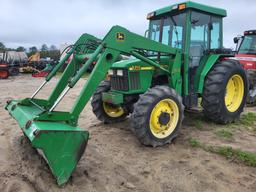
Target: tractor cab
[(189, 26), (194, 28), (246, 49)]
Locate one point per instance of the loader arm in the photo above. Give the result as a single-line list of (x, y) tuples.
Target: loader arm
[(80, 45), (118, 41), (83, 45)]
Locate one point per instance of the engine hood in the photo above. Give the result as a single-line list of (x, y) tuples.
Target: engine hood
[(248, 61), (133, 62)]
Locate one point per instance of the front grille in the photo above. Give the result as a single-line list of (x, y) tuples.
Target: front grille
[(119, 83), (135, 80)]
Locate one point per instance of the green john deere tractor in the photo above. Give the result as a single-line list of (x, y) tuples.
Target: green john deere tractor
[(180, 60)]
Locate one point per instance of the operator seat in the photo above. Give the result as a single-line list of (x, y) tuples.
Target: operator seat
[(196, 52)]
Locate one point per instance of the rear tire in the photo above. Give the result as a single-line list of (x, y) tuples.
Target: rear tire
[(157, 116), (105, 112), (225, 91)]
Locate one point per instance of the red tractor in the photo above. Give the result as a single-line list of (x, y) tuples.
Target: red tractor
[(246, 54)]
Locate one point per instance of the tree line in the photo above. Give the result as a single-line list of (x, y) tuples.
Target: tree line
[(45, 51)]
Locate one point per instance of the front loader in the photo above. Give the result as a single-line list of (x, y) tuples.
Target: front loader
[(179, 61)]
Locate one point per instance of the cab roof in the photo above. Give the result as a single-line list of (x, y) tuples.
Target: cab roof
[(189, 5)]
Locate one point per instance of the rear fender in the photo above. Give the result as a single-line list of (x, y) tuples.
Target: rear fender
[(206, 64)]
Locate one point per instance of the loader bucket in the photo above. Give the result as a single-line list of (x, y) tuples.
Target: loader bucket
[(60, 144)]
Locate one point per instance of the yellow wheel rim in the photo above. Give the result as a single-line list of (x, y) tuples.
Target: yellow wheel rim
[(234, 93), (169, 108), (113, 111)]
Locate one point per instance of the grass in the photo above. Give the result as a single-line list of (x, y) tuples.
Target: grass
[(198, 124), (245, 157), (248, 119), (196, 120), (224, 134), (248, 158), (194, 143)]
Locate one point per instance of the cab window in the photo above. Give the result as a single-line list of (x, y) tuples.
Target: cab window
[(173, 30)]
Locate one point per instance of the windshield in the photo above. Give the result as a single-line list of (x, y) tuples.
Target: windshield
[(172, 29), (248, 45)]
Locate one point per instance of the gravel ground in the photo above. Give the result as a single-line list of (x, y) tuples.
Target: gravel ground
[(114, 159)]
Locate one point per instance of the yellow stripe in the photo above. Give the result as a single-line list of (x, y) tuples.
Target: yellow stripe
[(137, 68), (147, 68)]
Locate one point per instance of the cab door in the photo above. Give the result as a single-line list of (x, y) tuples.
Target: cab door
[(205, 34)]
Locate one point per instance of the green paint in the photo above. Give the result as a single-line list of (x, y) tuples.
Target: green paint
[(113, 97), (61, 144), (206, 65)]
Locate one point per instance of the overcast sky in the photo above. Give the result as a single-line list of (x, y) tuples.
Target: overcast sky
[(34, 22)]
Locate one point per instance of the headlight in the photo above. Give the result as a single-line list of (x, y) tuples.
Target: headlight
[(111, 72), (120, 72)]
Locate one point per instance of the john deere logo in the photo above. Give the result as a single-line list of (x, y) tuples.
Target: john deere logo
[(120, 37)]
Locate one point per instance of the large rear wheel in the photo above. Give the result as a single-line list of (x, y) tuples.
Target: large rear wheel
[(225, 91), (157, 116), (106, 112)]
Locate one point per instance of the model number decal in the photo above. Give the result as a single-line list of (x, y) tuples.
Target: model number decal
[(136, 68)]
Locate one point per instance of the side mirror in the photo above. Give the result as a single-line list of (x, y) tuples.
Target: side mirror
[(236, 39)]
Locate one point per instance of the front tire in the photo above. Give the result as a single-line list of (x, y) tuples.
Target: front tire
[(106, 112), (157, 116), (225, 91)]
